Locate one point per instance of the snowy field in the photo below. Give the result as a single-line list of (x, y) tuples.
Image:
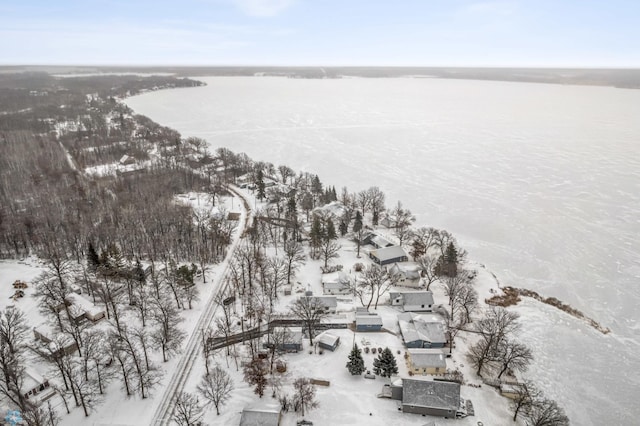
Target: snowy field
[(539, 182)]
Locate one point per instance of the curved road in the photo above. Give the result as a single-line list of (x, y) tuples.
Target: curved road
[(166, 405)]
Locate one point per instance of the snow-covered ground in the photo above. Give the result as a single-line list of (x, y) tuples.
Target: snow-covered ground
[(539, 182)]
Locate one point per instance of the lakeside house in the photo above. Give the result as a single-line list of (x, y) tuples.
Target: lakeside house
[(412, 301), (431, 398), (406, 274), (290, 339), (422, 331), (388, 255), (426, 361)]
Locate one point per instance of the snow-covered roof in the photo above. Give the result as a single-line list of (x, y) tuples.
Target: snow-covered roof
[(410, 270), (428, 328), (388, 253), (380, 241), (426, 358), (328, 301), (84, 304), (368, 319), (336, 280), (413, 297), (327, 338), (261, 414), (294, 334), (431, 394)]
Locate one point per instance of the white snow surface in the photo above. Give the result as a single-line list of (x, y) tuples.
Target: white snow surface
[(541, 183)]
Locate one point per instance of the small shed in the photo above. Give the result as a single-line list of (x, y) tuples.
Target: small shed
[(261, 414), (388, 255), (368, 322), (328, 341)]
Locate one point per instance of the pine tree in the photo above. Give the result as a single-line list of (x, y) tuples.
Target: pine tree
[(260, 185), (93, 260), (355, 365), (343, 228), (385, 365), (357, 222), (331, 230)]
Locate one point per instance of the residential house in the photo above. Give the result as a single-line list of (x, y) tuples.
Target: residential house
[(289, 340), (377, 241), (406, 274), (431, 398), (35, 388), (422, 331), (330, 303), (327, 341), (426, 361), (59, 344), (336, 283), (388, 255), (261, 414), (79, 304), (412, 301), (366, 321)]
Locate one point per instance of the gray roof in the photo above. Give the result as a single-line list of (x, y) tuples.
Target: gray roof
[(428, 328), (337, 280), (413, 297), (261, 414), (427, 358), (368, 319), (388, 253), (328, 301), (431, 394)]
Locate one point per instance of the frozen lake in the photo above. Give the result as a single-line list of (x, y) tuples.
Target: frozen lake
[(541, 183)]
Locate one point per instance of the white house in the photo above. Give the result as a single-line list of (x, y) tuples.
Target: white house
[(412, 300), (336, 283), (406, 274)]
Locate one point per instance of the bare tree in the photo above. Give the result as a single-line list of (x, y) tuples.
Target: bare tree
[(401, 219), (329, 249), (513, 356), (427, 264), (255, 374), (294, 255), (166, 335), (526, 395), (216, 387), (546, 412), (311, 311), (305, 394), (493, 329), (187, 411)]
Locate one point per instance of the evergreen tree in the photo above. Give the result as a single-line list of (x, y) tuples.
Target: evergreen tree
[(385, 365), (260, 185), (343, 228), (331, 231), (357, 223), (316, 235), (316, 185), (356, 363), (291, 207), (93, 260)]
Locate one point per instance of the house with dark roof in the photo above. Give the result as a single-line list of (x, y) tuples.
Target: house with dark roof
[(422, 331), (388, 255), (412, 301), (431, 398)]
